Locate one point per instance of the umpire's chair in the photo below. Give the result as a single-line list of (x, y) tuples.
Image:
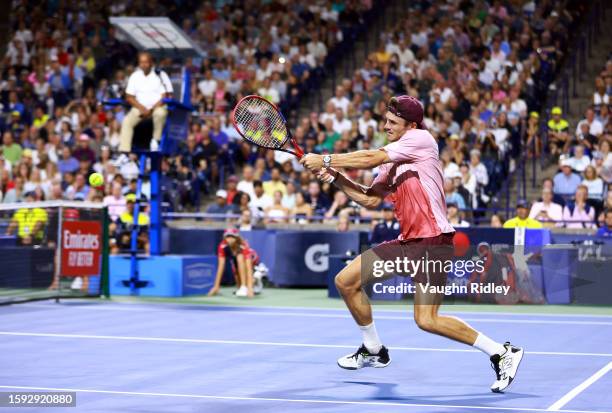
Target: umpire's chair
[(175, 129)]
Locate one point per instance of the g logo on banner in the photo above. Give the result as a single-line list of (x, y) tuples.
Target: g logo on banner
[(316, 257)]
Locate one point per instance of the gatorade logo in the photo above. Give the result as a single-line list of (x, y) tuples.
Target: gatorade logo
[(317, 257)]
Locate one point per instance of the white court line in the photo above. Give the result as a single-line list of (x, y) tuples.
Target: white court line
[(154, 306), (347, 316), (556, 406), (286, 400), (270, 343)]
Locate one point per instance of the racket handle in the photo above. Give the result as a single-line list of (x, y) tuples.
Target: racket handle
[(298, 151)]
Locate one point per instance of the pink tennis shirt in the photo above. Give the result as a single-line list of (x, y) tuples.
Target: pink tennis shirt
[(416, 185)]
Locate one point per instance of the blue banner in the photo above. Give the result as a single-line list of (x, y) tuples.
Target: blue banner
[(302, 258), (199, 274)]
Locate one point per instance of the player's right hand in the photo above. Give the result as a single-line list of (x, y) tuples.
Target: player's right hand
[(213, 291)]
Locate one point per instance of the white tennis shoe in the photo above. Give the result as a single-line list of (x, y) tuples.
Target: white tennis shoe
[(363, 358), (505, 366)]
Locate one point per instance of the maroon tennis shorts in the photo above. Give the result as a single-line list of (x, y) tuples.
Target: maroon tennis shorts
[(432, 252)]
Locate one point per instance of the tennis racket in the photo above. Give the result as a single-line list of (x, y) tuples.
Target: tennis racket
[(260, 122)]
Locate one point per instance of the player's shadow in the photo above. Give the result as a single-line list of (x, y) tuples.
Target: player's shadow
[(386, 392)]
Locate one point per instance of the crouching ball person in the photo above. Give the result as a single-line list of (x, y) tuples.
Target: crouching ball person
[(242, 259)]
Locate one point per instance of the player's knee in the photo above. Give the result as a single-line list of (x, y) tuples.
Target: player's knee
[(340, 284), (426, 322), (344, 285)]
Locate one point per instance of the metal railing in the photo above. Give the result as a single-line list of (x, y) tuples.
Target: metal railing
[(321, 219)]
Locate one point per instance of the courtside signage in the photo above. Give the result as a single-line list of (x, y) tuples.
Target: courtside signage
[(81, 248)]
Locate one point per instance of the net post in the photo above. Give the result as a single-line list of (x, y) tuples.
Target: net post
[(60, 220), (104, 270)]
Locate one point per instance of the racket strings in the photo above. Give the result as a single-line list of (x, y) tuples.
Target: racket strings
[(261, 123)]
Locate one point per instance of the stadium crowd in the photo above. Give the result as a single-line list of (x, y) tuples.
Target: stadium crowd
[(482, 71)]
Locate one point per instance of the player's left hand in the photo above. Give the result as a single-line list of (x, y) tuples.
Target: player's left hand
[(327, 175), (312, 161)]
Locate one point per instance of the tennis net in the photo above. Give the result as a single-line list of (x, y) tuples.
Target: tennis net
[(52, 250)]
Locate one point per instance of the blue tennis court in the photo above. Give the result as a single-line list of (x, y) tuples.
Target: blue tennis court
[(196, 358)]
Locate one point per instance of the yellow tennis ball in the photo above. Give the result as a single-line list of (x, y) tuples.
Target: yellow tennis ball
[(278, 135), (96, 179)]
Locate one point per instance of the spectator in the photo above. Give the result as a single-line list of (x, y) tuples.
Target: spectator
[(601, 97), (365, 122), (595, 126), (246, 220), (260, 200), (79, 189), (387, 228), (522, 219), (221, 205), (584, 137), (16, 192), (454, 217), (557, 131), (340, 101), (579, 161), (231, 189), (68, 163), (468, 182), (115, 202), (461, 190), (566, 182), (318, 201), (83, 152), (496, 221), (29, 222), (302, 212), (11, 151), (579, 214), (344, 223), (605, 231), (289, 197), (276, 213), (478, 169), (208, 85), (452, 196), (340, 205), (548, 183), (145, 91), (595, 186), (547, 211), (607, 206), (340, 123), (246, 184), (275, 183), (268, 92)]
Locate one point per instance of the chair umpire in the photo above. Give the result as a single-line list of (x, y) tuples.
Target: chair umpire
[(146, 88)]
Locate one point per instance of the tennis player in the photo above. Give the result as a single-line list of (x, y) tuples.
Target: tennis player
[(411, 178)]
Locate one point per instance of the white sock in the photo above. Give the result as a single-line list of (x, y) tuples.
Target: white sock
[(370, 338), (488, 346)]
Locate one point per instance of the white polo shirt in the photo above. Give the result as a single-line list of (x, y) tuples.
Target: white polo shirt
[(148, 89)]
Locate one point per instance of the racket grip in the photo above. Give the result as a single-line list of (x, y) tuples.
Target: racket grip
[(298, 151)]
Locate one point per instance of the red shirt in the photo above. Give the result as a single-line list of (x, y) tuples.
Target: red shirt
[(224, 250)]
